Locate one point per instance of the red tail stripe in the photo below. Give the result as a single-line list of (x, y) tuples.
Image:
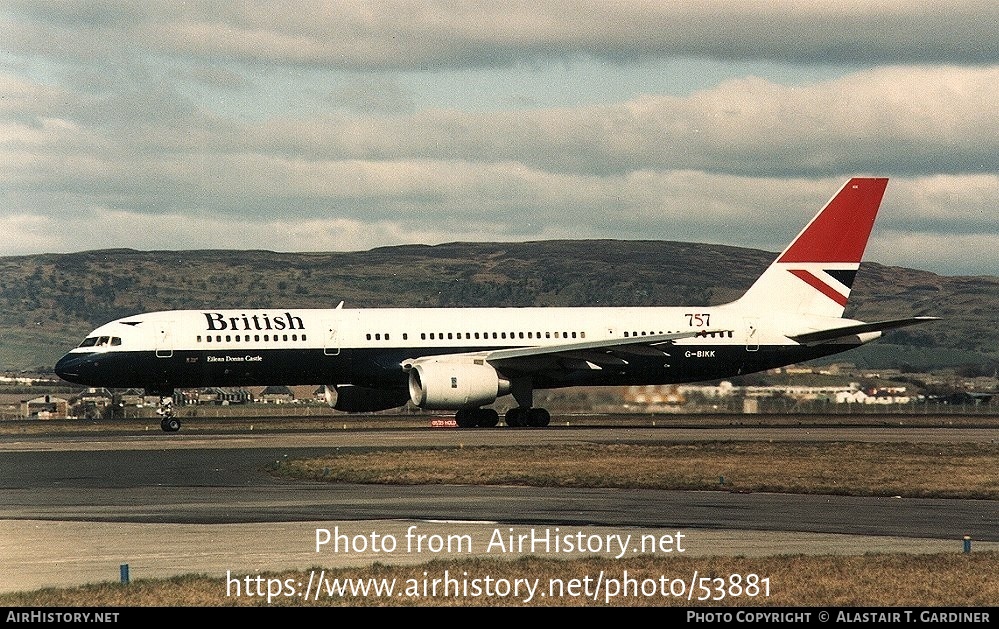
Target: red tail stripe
[(839, 233), (820, 286)]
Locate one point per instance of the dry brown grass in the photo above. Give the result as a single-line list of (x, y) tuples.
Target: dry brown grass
[(965, 470), (799, 580)]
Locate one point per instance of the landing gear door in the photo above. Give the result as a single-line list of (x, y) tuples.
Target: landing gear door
[(164, 340)]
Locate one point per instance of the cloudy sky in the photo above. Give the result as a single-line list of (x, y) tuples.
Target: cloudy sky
[(319, 126)]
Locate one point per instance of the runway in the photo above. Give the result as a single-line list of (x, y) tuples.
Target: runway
[(72, 508)]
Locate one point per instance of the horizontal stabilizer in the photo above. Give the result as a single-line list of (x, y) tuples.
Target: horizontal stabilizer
[(823, 336)]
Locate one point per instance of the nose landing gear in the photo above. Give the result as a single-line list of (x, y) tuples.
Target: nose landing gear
[(168, 423)]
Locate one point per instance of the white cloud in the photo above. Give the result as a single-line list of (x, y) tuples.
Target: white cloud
[(433, 35), (180, 120)]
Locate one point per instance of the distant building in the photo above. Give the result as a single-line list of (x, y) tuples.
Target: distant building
[(137, 398), (839, 394), (220, 396), (45, 407), (101, 398), (277, 395)]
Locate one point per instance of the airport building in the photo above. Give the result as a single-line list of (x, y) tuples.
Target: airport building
[(45, 407)]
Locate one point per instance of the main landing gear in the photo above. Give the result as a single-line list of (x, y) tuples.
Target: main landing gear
[(169, 423), (515, 417), (525, 414), (476, 417), (534, 417)]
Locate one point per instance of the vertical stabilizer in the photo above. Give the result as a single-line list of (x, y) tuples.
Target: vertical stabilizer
[(813, 276)]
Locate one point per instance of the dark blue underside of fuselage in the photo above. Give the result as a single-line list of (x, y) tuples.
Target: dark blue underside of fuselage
[(380, 368)]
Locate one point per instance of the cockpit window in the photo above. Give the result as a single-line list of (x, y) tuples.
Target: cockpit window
[(100, 341)]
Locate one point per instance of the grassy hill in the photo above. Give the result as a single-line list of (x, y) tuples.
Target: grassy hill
[(48, 302)]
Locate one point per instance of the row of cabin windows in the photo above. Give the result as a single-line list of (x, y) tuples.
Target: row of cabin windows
[(722, 334), (435, 336), (522, 335), (500, 335), (245, 338)]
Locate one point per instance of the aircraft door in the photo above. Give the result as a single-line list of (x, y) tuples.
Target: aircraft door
[(752, 334), (331, 337), (164, 340)]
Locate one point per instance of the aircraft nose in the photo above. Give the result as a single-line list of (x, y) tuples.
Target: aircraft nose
[(68, 367)]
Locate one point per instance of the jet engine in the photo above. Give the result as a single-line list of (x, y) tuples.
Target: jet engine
[(454, 383), (354, 399)]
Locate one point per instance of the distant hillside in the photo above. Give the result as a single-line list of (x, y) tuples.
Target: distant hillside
[(49, 301)]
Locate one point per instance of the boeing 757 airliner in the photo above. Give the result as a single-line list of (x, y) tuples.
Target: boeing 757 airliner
[(463, 359)]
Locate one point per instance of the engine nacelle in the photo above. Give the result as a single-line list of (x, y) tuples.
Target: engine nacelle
[(354, 399), (454, 383)]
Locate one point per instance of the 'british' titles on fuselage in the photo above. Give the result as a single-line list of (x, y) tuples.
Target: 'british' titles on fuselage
[(218, 322)]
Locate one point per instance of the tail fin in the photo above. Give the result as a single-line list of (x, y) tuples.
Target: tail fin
[(813, 276)]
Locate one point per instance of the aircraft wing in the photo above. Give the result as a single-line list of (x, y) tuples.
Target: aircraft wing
[(832, 334), (576, 355), (584, 355)]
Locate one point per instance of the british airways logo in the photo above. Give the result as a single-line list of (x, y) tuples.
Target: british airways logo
[(287, 321), (824, 287)]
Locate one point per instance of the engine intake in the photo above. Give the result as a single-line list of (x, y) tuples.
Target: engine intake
[(452, 384)]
